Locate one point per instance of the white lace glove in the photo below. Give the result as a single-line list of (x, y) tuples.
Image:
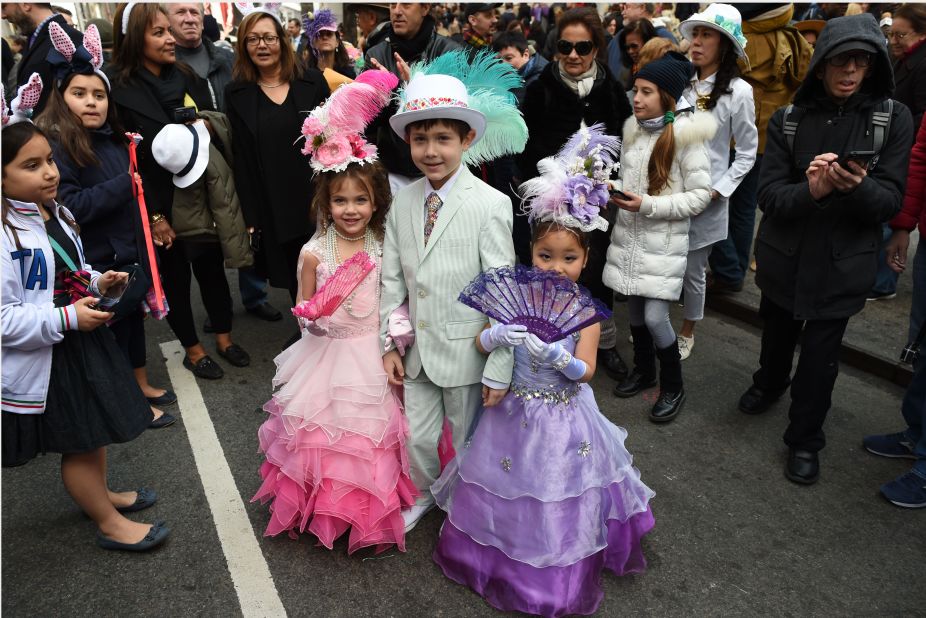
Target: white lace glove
[(508, 335), (558, 356)]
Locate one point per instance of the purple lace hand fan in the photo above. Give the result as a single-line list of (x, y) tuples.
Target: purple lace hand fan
[(551, 306)]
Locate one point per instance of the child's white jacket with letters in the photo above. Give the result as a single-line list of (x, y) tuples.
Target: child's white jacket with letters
[(31, 324)]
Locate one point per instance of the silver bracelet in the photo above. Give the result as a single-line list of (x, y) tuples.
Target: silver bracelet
[(563, 362)]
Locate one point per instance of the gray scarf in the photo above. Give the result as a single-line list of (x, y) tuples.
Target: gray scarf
[(582, 84)]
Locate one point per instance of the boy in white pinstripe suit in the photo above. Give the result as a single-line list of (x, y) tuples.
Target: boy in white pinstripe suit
[(443, 230)]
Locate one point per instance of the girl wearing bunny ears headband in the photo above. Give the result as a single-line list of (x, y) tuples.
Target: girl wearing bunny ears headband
[(66, 58)]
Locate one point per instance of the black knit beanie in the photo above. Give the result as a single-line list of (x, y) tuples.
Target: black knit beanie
[(671, 73)]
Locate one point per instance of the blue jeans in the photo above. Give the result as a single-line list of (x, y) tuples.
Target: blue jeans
[(253, 288), (730, 257), (914, 401), (886, 279)]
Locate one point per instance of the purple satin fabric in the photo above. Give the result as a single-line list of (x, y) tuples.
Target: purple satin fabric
[(510, 585)]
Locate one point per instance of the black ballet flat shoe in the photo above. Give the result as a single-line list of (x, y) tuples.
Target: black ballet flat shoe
[(612, 363), (803, 467), (145, 497), (633, 384), (165, 420), (167, 399), (235, 355), (157, 535), (667, 407), (205, 368)]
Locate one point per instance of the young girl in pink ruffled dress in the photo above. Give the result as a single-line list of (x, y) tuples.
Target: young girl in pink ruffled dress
[(335, 439)]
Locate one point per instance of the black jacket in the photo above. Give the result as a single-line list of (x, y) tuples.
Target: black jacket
[(308, 92), (819, 259), (35, 60), (140, 112), (910, 80), (553, 112), (100, 197), (393, 151)]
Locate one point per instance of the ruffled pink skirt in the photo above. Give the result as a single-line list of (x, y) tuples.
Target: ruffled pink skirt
[(334, 445)]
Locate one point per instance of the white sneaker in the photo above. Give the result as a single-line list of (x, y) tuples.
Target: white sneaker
[(685, 346), (412, 516)]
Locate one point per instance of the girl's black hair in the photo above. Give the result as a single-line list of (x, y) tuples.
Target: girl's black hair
[(540, 229), (729, 70), (12, 139)]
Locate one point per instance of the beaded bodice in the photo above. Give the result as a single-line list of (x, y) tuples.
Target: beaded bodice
[(535, 380), (359, 314)]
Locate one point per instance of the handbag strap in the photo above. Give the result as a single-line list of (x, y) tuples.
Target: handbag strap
[(59, 250)]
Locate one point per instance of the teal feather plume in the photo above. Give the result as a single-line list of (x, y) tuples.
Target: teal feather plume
[(489, 83)]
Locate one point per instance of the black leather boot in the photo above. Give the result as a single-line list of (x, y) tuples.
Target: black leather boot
[(672, 392), (803, 467), (610, 360), (643, 375)]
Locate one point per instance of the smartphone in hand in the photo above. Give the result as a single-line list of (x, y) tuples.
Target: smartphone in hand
[(862, 158), (620, 195)]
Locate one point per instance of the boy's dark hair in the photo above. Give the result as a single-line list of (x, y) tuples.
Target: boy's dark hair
[(373, 176), (510, 39), (462, 129)]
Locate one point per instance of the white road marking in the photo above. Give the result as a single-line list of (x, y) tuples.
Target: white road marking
[(257, 594)]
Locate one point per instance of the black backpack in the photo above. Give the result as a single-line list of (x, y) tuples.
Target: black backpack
[(879, 121)]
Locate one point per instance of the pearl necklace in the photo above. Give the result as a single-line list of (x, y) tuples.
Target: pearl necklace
[(333, 257)]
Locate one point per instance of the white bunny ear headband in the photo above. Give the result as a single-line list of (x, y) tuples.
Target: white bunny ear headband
[(26, 100), (270, 8), (66, 58)]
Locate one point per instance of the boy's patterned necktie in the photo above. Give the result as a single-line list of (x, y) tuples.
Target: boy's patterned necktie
[(432, 204)]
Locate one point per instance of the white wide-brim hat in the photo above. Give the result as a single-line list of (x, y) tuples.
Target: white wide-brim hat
[(428, 97), (183, 150), (724, 18)]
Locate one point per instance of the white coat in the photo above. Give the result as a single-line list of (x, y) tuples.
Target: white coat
[(649, 248)]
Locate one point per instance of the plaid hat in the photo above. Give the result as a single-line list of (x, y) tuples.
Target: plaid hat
[(671, 73)]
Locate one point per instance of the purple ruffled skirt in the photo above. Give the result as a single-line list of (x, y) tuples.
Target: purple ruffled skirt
[(540, 502)]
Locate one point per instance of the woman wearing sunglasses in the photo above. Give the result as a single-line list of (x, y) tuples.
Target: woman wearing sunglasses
[(574, 91)]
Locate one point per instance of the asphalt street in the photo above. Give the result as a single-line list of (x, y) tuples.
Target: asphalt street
[(733, 537)]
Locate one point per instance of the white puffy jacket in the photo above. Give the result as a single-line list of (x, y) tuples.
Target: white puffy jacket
[(649, 248)]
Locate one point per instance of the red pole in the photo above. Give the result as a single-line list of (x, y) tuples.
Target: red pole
[(139, 191)]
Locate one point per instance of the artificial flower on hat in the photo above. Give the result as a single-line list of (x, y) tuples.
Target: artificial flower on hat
[(333, 132), (572, 188), (477, 91), (724, 18), (270, 8)]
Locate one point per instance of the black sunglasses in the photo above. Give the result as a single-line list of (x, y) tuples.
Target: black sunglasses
[(583, 48)]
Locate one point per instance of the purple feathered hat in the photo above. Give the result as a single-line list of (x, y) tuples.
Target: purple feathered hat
[(324, 20)]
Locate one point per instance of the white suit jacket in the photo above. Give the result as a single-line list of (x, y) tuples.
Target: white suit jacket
[(472, 234)]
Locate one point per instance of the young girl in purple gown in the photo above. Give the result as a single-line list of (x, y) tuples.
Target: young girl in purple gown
[(544, 496)]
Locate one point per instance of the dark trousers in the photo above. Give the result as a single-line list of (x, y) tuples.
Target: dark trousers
[(209, 269), (130, 336), (817, 368), (729, 258)]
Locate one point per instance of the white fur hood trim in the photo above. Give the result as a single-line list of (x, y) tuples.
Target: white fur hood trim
[(689, 129)]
